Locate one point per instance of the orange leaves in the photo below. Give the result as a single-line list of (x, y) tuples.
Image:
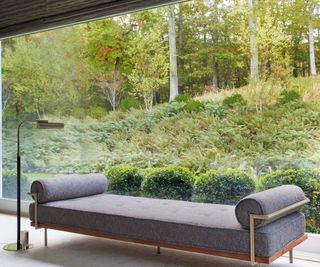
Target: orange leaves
[(103, 52)]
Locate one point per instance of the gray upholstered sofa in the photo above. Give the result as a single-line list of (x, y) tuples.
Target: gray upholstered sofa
[(261, 228)]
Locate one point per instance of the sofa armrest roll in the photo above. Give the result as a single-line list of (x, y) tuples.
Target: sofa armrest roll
[(268, 202), (62, 187)]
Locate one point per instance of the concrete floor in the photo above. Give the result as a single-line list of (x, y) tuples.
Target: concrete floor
[(72, 250)]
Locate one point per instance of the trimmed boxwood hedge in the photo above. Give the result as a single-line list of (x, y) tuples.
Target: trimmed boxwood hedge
[(170, 182), (223, 186), (124, 180), (309, 181)]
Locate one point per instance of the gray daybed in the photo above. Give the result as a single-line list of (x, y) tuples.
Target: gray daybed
[(261, 228)]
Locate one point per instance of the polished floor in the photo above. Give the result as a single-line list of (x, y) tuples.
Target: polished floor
[(73, 250)]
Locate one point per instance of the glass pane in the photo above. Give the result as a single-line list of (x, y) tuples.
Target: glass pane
[(246, 117)]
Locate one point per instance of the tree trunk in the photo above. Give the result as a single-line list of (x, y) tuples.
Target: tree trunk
[(173, 55), (148, 100), (180, 52), (115, 83), (238, 74), (215, 83), (313, 70), (295, 71), (254, 67)]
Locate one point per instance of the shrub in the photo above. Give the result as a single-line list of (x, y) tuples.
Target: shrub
[(223, 186), (170, 182), (306, 179), (79, 113), (130, 103), (182, 98), (97, 112), (194, 106), (309, 181), (235, 99), (215, 109), (173, 108), (124, 180), (9, 184), (288, 97)]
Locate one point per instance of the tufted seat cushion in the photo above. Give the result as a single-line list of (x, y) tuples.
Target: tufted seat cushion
[(197, 225)]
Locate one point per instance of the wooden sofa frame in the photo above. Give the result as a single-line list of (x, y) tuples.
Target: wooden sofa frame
[(255, 260)]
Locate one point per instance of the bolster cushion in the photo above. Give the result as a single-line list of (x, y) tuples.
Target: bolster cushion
[(266, 202), (63, 187)]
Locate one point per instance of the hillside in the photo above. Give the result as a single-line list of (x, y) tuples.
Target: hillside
[(211, 134)]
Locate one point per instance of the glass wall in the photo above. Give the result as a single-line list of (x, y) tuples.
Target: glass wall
[(200, 101)]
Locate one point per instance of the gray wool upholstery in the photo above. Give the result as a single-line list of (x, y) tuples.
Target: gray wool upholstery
[(198, 225), (63, 187), (267, 202)]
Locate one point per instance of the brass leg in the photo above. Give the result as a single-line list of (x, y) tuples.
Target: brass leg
[(45, 237), (252, 247), (158, 250), (290, 256)]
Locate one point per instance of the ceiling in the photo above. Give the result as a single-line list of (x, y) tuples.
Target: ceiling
[(18, 17)]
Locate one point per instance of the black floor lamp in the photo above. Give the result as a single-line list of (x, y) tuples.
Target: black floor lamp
[(41, 124)]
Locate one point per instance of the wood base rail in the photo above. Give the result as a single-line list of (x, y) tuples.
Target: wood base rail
[(233, 255)]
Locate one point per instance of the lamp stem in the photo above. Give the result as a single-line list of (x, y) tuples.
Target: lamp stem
[(18, 188), (18, 202)]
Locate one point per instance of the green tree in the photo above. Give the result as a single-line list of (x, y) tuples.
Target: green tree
[(39, 66), (149, 60), (106, 43)]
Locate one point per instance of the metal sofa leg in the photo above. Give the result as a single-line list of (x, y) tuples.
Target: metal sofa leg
[(291, 256), (158, 250), (45, 237)]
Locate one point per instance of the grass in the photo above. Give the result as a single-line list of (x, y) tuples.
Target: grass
[(307, 87)]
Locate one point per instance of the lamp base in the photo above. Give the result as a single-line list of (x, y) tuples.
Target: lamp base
[(14, 247)]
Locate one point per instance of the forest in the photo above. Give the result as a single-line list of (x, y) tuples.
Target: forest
[(146, 58)]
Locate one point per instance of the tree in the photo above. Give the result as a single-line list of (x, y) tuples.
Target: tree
[(6, 97), (148, 56), (310, 7), (254, 63), (106, 45), (110, 84), (180, 50), (272, 42), (40, 66), (173, 54)]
